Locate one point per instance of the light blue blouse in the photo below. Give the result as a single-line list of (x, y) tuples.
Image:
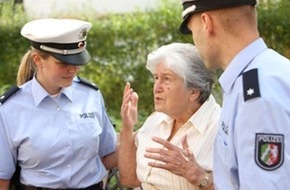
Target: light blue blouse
[(57, 142)]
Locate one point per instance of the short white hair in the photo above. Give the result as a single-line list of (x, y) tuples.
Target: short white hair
[(184, 60)]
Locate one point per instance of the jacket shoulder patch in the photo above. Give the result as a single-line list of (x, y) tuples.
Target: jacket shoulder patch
[(269, 150), (251, 87), (87, 83), (12, 90)]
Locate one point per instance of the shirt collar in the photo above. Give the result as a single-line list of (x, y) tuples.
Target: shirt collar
[(68, 92), (39, 93), (200, 118), (240, 63)]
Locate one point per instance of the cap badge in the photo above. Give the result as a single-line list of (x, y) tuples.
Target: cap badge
[(83, 33)]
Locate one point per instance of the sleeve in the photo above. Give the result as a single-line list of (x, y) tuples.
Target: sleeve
[(261, 136), (7, 152), (108, 138)]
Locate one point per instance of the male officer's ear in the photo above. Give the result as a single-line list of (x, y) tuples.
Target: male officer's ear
[(207, 23)]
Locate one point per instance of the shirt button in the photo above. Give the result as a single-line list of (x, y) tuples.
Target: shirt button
[(58, 108), (68, 165), (68, 146)]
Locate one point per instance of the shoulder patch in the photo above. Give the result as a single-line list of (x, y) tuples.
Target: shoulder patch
[(87, 83), (251, 84), (12, 90), (269, 150)]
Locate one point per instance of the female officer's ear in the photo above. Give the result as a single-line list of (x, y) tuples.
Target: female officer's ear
[(36, 59)]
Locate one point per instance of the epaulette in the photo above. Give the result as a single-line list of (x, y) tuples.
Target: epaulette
[(87, 83), (12, 90), (251, 84)]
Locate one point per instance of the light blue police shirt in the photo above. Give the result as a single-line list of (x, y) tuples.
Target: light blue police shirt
[(252, 148), (57, 142)]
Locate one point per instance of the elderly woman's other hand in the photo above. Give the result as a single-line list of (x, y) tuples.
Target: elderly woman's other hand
[(179, 161)]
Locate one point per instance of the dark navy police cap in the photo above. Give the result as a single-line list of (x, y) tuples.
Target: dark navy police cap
[(64, 39), (194, 6)]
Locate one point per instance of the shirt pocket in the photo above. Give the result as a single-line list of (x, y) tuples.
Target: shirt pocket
[(88, 139)]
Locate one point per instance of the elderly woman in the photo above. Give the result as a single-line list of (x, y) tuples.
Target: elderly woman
[(174, 147)]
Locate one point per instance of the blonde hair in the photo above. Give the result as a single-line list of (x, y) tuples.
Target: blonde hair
[(27, 67)]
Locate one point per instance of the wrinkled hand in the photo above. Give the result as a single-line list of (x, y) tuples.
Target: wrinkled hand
[(129, 109), (172, 158)]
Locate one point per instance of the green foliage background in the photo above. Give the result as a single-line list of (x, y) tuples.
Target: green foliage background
[(119, 44)]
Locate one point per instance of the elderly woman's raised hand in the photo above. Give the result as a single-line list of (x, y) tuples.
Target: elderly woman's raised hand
[(129, 109)]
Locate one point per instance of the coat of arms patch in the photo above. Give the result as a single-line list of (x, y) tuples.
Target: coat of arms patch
[(269, 149)]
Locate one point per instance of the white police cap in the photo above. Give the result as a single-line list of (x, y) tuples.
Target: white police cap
[(64, 39)]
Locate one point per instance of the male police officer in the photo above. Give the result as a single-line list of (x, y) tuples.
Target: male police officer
[(251, 149)]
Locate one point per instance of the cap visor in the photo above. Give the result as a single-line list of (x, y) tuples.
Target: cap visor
[(183, 27), (74, 59)]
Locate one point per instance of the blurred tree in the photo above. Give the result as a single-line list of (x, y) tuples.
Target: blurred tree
[(119, 45)]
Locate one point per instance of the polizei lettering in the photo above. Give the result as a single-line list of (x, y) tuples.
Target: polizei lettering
[(270, 138), (88, 115)]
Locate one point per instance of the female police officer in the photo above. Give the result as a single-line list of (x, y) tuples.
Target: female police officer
[(55, 126)]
